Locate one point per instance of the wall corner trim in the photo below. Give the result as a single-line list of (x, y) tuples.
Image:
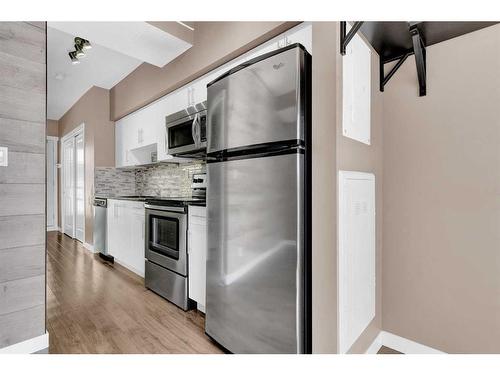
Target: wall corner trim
[(29, 346), (400, 344)]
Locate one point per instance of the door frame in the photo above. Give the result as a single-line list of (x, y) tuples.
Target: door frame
[(54, 143), (72, 134)]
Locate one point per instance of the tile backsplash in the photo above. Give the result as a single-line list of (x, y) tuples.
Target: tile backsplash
[(165, 180), (112, 182)]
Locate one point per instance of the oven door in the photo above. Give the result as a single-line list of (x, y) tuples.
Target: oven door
[(166, 239)]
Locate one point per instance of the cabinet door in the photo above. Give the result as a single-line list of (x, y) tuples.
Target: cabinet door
[(113, 228), (197, 244), (136, 228), (302, 36), (199, 90), (119, 145), (125, 140), (126, 234), (178, 100)]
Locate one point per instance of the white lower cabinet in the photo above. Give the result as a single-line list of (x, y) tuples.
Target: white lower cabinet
[(197, 254), (126, 221)]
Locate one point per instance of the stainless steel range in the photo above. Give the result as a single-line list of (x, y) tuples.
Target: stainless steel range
[(166, 271)]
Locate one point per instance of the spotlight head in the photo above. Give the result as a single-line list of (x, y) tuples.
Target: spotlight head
[(79, 51), (73, 57), (83, 43)]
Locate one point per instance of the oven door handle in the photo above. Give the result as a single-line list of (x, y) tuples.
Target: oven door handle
[(165, 208)]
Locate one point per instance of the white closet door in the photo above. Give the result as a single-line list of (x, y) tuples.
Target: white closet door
[(51, 183), (69, 186), (79, 189)]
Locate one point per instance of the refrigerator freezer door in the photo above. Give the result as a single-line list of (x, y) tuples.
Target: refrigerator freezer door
[(257, 104), (255, 254)]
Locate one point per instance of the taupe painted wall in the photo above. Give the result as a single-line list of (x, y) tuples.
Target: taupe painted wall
[(324, 187), (92, 109), (215, 43), (441, 256), (333, 152), (356, 156), (52, 128), (22, 182)]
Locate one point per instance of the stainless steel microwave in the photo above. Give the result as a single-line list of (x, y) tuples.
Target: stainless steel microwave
[(186, 131)]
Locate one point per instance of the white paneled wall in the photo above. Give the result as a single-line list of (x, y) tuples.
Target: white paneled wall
[(356, 91), (356, 255)]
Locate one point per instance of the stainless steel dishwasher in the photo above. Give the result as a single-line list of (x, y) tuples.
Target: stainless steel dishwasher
[(101, 228)]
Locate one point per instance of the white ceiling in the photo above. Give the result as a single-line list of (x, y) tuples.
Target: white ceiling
[(139, 40), (117, 49)]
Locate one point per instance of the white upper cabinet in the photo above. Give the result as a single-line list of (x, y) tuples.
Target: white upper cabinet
[(302, 35), (143, 132), (356, 91)]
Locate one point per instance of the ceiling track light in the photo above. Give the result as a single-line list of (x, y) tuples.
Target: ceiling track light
[(81, 45)]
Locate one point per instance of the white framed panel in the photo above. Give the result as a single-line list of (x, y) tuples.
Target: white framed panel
[(73, 183), (356, 265), (79, 184), (68, 187), (51, 178), (356, 91)]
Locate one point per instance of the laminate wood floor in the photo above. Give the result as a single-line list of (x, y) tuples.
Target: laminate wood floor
[(93, 307), (386, 350)]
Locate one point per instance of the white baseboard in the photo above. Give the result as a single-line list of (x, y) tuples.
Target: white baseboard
[(53, 229), (89, 247), (400, 344), (129, 267), (28, 346)]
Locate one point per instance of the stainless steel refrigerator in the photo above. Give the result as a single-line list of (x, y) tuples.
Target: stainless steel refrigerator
[(258, 205)]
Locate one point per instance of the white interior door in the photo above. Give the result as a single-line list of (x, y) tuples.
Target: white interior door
[(79, 188), (51, 184), (69, 186)]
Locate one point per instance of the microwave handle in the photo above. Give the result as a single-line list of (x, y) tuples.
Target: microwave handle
[(194, 129), (166, 141), (198, 131)]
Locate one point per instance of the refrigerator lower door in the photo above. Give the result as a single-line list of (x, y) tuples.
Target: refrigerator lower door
[(255, 254)]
